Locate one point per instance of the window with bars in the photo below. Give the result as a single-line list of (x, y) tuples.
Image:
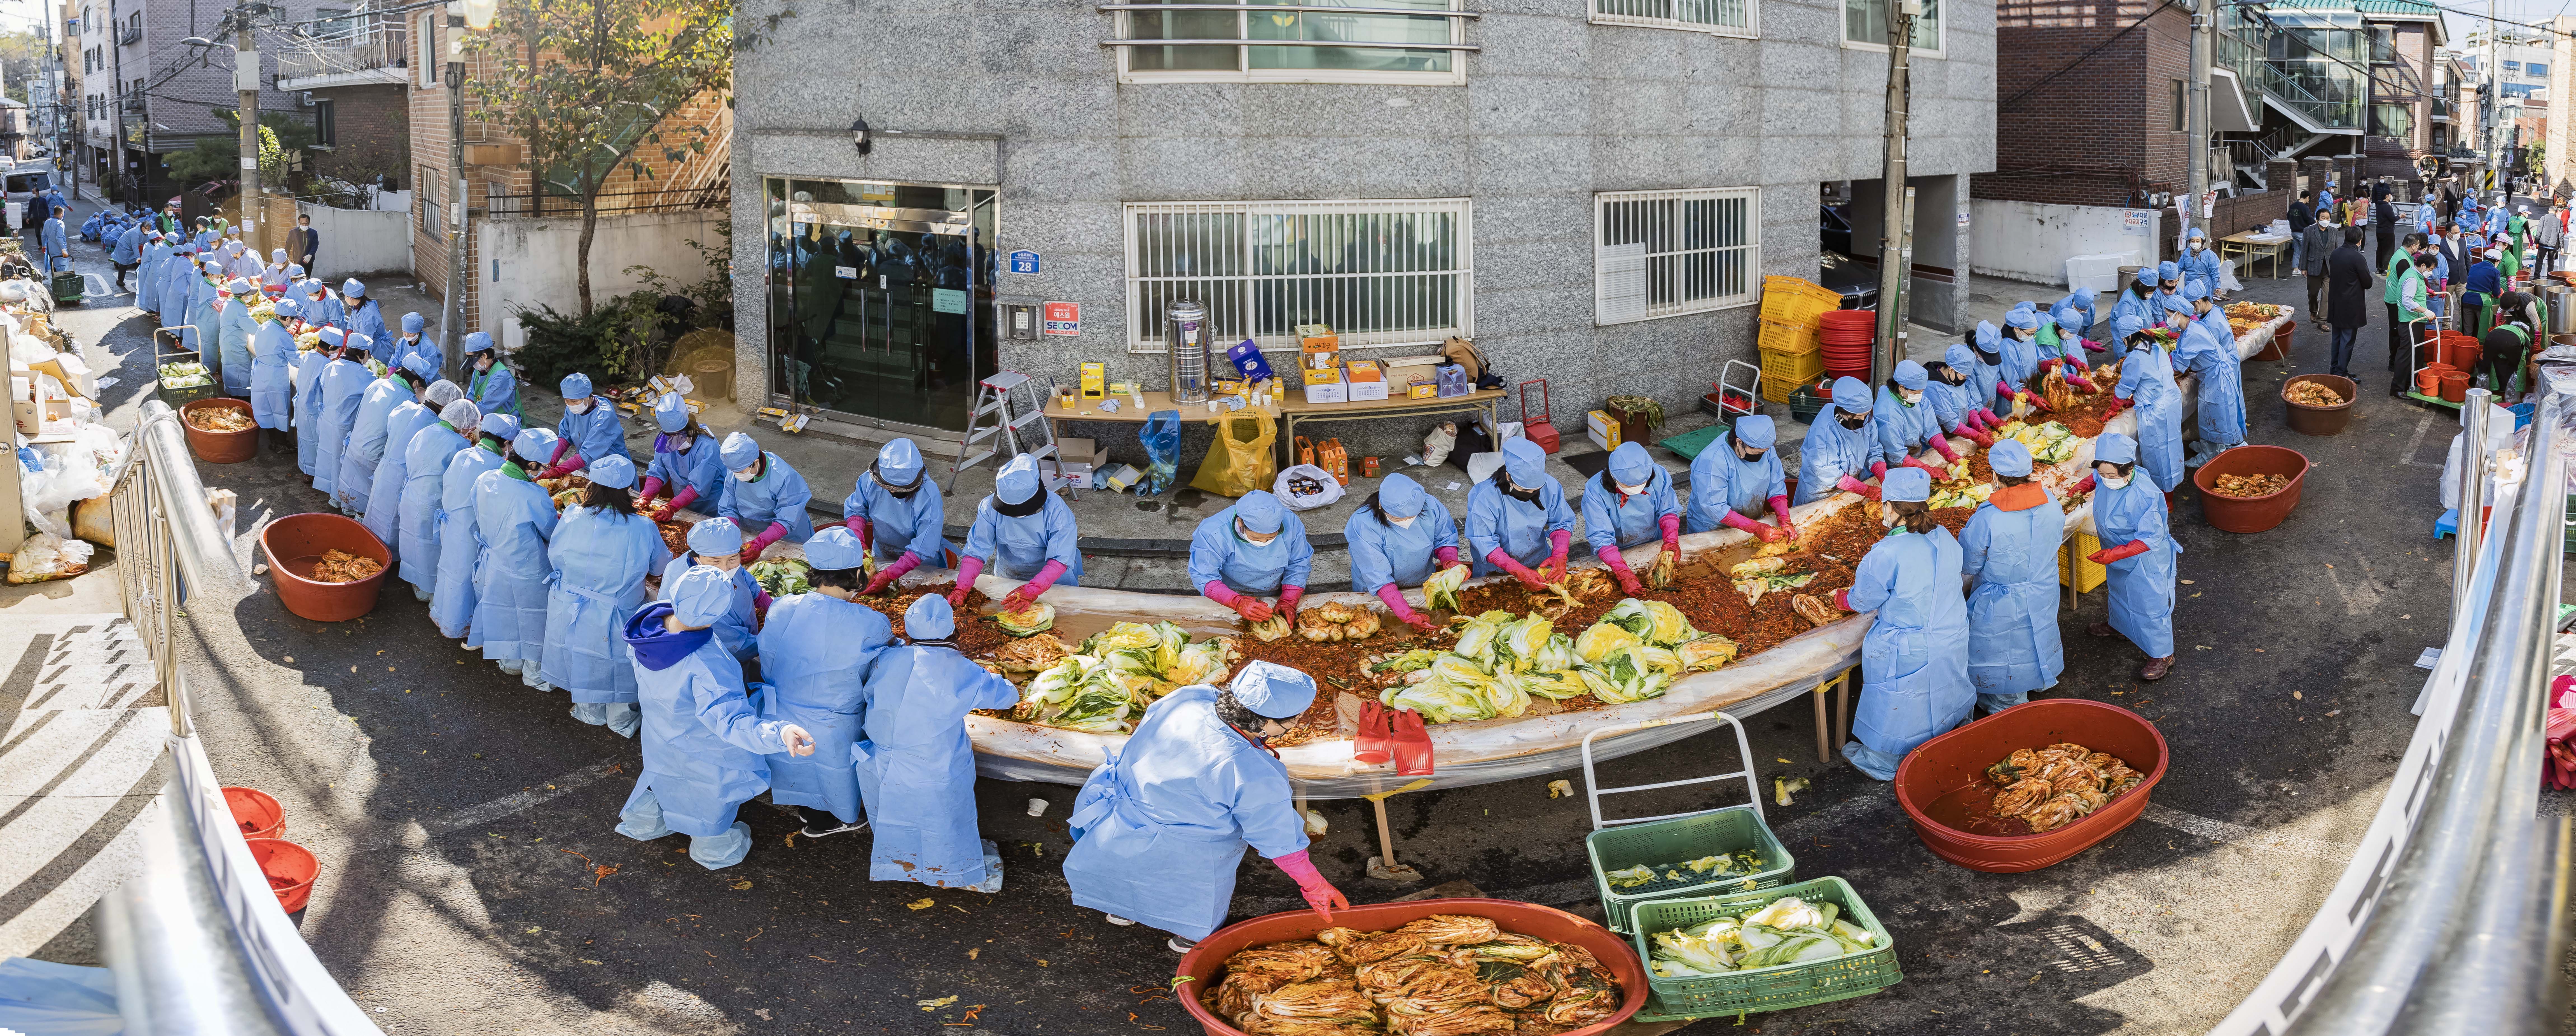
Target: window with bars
[(1666, 253), (1865, 24), (1719, 17), (1379, 273), (1380, 41)]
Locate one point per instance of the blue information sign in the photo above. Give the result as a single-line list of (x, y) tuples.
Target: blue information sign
[(1024, 261)]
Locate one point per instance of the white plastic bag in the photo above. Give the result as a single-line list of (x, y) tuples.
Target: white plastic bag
[(1304, 487), (1436, 446), (2227, 281)]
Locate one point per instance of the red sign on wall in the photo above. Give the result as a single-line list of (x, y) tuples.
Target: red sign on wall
[(1062, 318)]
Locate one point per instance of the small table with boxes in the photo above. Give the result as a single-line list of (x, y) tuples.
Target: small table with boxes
[(1341, 389)]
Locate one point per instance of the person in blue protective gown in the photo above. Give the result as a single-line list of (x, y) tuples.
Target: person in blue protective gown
[(764, 494), (601, 551), (491, 384), (916, 767), (589, 429), (365, 445), (1517, 519), (2168, 283), (686, 459), (170, 297), (1984, 371), (365, 316), (1914, 661), (2138, 308), (2199, 265), (2208, 351), (1905, 420), (1629, 503), (234, 327), (1738, 478), (1249, 551), (704, 741), (898, 513), (1024, 532), (425, 460), (2080, 303), (460, 543), (2020, 343), (310, 409), (56, 241), (1841, 448), (383, 515), (243, 264), (2147, 383), (1397, 538), (1160, 828), (415, 341), (321, 308), (717, 543), (345, 382), (279, 274), (815, 652), (2009, 553), (205, 322), (147, 271), (2129, 515), (1957, 408), (515, 518), (272, 375)]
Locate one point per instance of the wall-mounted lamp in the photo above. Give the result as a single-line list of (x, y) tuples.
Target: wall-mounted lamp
[(859, 136)]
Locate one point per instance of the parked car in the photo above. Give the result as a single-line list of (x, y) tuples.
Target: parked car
[(23, 183), (1845, 276), (1834, 230)]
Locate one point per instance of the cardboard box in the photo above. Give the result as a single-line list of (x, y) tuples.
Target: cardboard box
[(1421, 387), (1602, 428), (1598, 440), (1365, 380), (1324, 376), (1077, 450), (1334, 390), (1095, 380)]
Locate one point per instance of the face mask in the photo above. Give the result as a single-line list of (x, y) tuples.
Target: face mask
[(1749, 456), (2197, 246), (1254, 538), (1629, 490), (2114, 483), (745, 475), (582, 407), (1910, 398), (483, 364), (1852, 421), (1527, 496), (1403, 523)]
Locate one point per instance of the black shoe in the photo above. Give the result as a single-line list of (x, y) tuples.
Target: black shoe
[(819, 824)]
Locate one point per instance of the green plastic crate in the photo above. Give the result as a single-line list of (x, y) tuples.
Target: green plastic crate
[(1662, 843), (1766, 989)]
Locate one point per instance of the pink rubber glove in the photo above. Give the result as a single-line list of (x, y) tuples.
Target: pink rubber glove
[(1253, 609), (2085, 486), (967, 570), (1671, 524), (1403, 611), (1507, 563), (1878, 469), (2082, 382), (1941, 445), (1916, 462), (1853, 485), (858, 527), (1842, 600), (1448, 557), (652, 488), (1733, 520), (1991, 420), (1558, 542), (1971, 421), (2096, 346), (886, 576), (556, 457), (2048, 365), (2004, 388), (1618, 563), (775, 532), (567, 463), (2117, 404), (1047, 575), (1320, 894), (760, 603), (2123, 552), (2036, 403), (2079, 363), (1287, 606), (1975, 436), (1780, 517), (688, 495)]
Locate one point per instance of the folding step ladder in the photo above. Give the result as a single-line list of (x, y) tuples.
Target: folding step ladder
[(993, 398)]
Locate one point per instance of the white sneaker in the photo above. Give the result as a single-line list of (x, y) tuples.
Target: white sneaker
[(1117, 920), (1180, 945)]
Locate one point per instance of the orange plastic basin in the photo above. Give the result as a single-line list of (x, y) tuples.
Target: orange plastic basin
[(1958, 760), (295, 544), (2250, 514), (256, 812), (290, 869)]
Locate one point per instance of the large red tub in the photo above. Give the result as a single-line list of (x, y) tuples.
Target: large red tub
[(1205, 963), (295, 544), (1959, 759)]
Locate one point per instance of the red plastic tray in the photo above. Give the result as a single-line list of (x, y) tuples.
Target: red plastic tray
[(1960, 757)]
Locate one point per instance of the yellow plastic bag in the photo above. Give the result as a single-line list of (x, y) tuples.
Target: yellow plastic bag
[(1240, 460)]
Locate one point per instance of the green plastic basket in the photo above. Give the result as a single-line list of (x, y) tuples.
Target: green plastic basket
[(1664, 843), (1766, 989)]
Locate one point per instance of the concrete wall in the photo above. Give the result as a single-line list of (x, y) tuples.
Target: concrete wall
[(525, 262), (2031, 241), (357, 242), (1552, 110)]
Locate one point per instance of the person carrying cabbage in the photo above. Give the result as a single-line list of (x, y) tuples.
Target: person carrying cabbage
[(1517, 521), (1732, 485), (1251, 550), (1631, 502), (915, 766), (1914, 662), (1399, 537), (1025, 532), (815, 649)]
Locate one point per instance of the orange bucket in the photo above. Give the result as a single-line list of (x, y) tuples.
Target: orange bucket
[(290, 869), (2429, 380), (2455, 386), (256, 812)]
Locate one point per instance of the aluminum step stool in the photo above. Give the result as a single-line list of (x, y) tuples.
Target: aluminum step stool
[(993, 398)]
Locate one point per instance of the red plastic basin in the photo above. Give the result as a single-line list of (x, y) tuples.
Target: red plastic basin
[(256, 812), (289, 868), (219, 447), (1959, 758), (1206, 962), (295, 544), (2250, 514)]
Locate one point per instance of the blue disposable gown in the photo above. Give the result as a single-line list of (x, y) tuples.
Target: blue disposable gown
[(700, 467), (416, 525), (1611, 520), (2012, 612), (2131, 315), (2199, 266), (2147, 378), (495, 391), (595, 434), (53, 237), (599, 561), (204, 324), (895, 524), (1018, 547), (778, 495), (2021, 361), (1722, 482), (1904, 429), (2082, 301), (514, 517), (2142, 587), (272, 376), (344, 382), (460, 544), (147, 277), (1914, 662), (1404, 555), (327, 312), (368, 318), (234, 328), (172, 293), (309, 415), (1832, 451), (815, 650), (734, 630), (1160, 828), (1950, 403), (918, 770), (383, 515), (1218, 553), (704, 741), (366, 442), (1980, 386), (422, 346), (1498, 519), (129, 246), (2208, 351)]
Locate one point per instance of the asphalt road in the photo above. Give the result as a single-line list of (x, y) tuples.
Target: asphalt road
[(464, 822)]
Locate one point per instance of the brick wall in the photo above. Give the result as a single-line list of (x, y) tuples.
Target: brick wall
[(2093, 127), (371, 133)]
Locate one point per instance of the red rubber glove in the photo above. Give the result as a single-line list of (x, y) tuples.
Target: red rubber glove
[(1941, 445), (1878, 469), (2096, 346), (2047, 365), (561, 445), (1403, 611), (1672, 528), (1018, 600), (1917, 462), (775, 532), (2085, 486), (688, 495), (1045, 580), (652, 488), (570, 462), (1554, 570), (1251, 608), (1981, 438), (1989, 418), (1853, 485), (1287, 606), (1733, 520), (1507, 563), (1448, 557), (858, 527), (2117, 404), (2037, 405), (2081, 382), (1320, 894), (886, 576), (1618, 563), (760, 604), (1974, 420), (2004, 388), (967, 570), (2107, 555), (2079, 363), (1842, 600), (1780, 517)]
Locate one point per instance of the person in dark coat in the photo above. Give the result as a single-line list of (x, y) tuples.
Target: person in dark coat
[(2303, 214), (2383, 222), (2348, 284), (2318, 241)]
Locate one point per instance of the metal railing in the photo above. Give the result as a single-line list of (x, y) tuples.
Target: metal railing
[(2282, 84), (372, 41), (540, 203)]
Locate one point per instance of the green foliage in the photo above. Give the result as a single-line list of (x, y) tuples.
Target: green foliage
[(282, 143), (714, 292), (605, 343)]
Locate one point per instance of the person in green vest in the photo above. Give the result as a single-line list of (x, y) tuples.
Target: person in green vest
[(2401, 264)]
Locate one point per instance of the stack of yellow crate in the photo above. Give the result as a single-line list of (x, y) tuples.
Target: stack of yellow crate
[(1791, 310)]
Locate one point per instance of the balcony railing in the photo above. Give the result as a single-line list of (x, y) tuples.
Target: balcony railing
[(2293, 83), (369, 43)]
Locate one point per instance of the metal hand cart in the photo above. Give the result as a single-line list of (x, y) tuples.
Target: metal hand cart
[(1668, 842), (180, 396)]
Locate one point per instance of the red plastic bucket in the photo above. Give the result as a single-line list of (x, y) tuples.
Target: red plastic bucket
[(257, 813), (2455, 386), (220, 447), (1204, 963), (1958, 759), (294, 545), (290, 869), (2250, 514)]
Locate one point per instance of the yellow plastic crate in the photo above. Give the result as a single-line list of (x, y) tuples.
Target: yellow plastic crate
[(1796, 367), (1795, 302), (1776, 389), (2087, 574), (1789, 338)]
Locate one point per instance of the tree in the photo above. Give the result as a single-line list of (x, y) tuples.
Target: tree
[(282, 141), (589, 85), (21, 53)]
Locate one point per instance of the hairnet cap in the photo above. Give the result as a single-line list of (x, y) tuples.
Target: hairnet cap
[(2196, 235), (929, 618), (1756, 430), (478, 342), (537, 444), (277, 255), (1906, 485), (1910, 374), (461, 413), (421, 364), (835, 548), (1017, 482), (359, 341), (899, 462), (2168, 270), (353, 289), (440, 392), (503, 426), (2009, 458), (1399, 496), (1851, 395), (2195, 291), (1260, 512), (1272, 690), (2025, 319), (295, 271), (703, 594), (2175, 303), (1525, 460), (671, 412), (1630, 465), (576, 385), (740, 451), (2115, 448), (413, 323), (289, 308), (332, 335), (1989, 338), (1959, 355), (715, 537), (617, 472)]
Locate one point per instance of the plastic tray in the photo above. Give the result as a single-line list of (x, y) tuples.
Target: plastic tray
[(1775, 988), (1664, 843), (1788, 339)]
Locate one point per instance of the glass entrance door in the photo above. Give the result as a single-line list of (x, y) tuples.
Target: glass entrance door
[(881, 299)]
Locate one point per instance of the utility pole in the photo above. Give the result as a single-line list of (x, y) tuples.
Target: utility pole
[(451, 309), (2204, 40), (246, 83), (1895, 229), (2493, 101)]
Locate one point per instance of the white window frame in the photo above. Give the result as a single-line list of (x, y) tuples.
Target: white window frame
[(1144, 321), (424, 48), (1751, 30), (1456, 14), (1941, 39), (1611, 263)]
